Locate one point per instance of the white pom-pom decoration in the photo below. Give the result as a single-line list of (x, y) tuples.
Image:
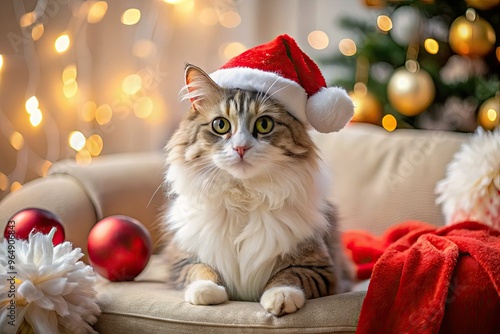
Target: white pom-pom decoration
[(45, 289), (471, 187)]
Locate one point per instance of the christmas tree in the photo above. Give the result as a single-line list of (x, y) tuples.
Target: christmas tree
[(427, 64)]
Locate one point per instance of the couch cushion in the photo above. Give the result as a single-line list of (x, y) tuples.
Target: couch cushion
[(382, 178), (148, 306)]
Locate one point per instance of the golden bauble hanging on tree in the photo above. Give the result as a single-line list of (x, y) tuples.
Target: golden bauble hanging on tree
[(470, 35), (489, 113), (367, 108), (410, 89), (482, 4)]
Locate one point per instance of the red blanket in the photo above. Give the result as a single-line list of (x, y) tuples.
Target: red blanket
[(430, 280)]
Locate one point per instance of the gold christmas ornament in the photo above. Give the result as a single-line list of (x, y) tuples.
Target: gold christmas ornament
[(489, 113), (367, 108), (482, 4), (410, 89), (470, 35)]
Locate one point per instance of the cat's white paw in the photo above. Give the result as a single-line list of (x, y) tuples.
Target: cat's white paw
[(282, 300), (205, 292)]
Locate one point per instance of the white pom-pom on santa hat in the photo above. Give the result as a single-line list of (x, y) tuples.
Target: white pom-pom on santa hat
[(283, 71)]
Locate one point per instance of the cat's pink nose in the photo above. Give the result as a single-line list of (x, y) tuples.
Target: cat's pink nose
[(241, 150)]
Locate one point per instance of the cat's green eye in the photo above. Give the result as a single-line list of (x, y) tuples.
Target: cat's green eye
[(221, 125), (264, 125)]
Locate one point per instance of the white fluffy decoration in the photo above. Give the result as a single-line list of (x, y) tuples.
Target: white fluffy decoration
[(471, 187), (54, 291)]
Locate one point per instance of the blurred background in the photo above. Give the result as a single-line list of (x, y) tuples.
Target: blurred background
[(80, 79)]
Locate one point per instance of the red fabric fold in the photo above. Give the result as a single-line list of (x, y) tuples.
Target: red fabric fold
[(435, 280)]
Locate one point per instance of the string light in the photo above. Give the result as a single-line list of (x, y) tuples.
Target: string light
[(97, 11), (318, 39), (131, 16), (76, 140), (389, 122), (347, 47), (230, 19), (62, 43)]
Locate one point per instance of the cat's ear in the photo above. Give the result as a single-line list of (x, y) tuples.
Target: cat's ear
[(200, 88)]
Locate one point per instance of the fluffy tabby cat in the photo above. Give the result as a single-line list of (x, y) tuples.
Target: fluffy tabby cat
[(248, 216)]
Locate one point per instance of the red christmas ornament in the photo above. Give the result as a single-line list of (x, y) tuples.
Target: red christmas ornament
[(119, 248), (36, 220)]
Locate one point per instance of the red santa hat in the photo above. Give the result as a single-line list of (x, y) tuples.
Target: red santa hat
[(282, 70)]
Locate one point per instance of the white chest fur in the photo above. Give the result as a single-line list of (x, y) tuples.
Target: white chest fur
[(242, 230)]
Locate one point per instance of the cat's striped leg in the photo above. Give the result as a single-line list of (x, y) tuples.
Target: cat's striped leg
[(288, 289), (203, 283)]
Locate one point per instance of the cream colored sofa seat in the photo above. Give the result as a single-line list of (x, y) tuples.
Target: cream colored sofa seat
[(379, 179)]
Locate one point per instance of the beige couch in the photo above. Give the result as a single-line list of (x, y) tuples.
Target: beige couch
[(380, 179)]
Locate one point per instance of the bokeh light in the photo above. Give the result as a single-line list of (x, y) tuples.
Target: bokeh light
[(94, 145), (70, 90), (27, 19), (209, 16), (384, 23), (131, 16), (132, 84), (389, 122), (62, 43), (37, 32), (230, 50), (143, 107), (83, 157), (76, 140), (230, 19), (31, 104), (88, 111), (4, 182), (318, 39), (44, 168), (15, 186), (347, 47), (16, 140), (144, 48), (184, 6), (69, 74), (431, 46), (36, 117), (103, 114), (1, 61), (97, 11)]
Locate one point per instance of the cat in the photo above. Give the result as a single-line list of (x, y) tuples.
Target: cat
[(248, 216)]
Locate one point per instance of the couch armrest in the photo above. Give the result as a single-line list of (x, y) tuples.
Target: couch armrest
[(126, 184)]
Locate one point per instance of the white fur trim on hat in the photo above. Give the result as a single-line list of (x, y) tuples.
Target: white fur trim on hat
[(289, 93), (330, 109)]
